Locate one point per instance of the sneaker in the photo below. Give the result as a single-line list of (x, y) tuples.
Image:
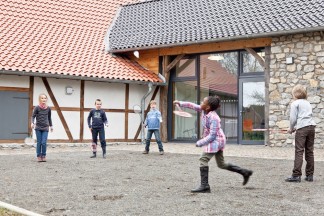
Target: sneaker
[(43, 159), (104, 156), (93, 156), (293, 179), (145, 152), (309, 178), (161, 152), (39, 159)]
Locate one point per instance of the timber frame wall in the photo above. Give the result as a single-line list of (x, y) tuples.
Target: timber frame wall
[(80, 109)]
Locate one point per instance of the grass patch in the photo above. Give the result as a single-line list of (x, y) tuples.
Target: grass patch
[(6, 212)]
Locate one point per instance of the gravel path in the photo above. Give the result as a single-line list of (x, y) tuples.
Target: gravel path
[(129, 183)]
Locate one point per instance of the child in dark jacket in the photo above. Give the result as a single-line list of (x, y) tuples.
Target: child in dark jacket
[(152, 121), (42, 114), (99, 120), (213, 141)]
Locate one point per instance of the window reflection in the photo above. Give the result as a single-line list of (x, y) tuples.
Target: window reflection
[(185, 128), (218, 76), (186, 68), (250, 63)]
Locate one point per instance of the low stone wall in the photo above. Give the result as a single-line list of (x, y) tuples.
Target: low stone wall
[(307, 69)]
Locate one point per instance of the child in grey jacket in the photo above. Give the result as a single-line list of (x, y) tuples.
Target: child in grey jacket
[(302, 122), (152, 121)]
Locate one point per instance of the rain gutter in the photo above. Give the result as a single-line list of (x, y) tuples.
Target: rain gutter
[(94, 79)]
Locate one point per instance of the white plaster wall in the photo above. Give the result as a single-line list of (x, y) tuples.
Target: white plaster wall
[(58, 88), (14, 81), (112, 95), (73, 121), (136, 93), (133, 124)]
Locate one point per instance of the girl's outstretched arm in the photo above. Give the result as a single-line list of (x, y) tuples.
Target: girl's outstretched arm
[(189, 105)]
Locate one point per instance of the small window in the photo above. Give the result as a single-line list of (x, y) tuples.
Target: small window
[(250, 63), (186, 68)]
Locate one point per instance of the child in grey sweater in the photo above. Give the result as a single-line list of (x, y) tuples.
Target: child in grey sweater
[(302, 122), (42, 114)]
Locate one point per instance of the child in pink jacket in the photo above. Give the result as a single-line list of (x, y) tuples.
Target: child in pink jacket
[(213, 141)]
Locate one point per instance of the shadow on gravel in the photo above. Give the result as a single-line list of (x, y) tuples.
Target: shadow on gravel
[(129, 183)]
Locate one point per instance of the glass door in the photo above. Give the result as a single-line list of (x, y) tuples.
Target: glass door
[(251, 110), (184, 88)]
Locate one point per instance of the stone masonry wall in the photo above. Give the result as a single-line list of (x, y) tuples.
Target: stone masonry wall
[(307, 69)]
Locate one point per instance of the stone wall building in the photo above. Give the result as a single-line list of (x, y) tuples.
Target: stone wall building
[(307, 68)]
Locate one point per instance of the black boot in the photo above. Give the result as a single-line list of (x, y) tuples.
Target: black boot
[(94, 155), (204, 186), (104, 152), (244, 172)]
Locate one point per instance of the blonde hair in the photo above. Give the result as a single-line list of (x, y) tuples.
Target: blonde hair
[(299, 92), (40, 95), (152, 102)]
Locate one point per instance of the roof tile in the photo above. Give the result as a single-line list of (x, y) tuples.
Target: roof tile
[(170, 22), (63, 37)]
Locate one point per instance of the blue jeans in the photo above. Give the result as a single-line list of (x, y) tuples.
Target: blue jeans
[(101, 132), (41, 143), (157, 137)]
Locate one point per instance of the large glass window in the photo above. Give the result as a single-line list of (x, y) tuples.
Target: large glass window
[(218, 76)]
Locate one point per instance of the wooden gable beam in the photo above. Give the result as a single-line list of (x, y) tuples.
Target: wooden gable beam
[(172, 64), (58, 109)]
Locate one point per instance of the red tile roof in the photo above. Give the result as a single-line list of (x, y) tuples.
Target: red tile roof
[(64, 37)]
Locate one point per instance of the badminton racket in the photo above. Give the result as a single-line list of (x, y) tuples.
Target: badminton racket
[(180, 112)]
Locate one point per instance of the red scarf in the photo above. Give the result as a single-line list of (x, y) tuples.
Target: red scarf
[(43, 106)]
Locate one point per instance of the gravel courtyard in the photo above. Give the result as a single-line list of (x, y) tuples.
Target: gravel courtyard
[(129, 183)]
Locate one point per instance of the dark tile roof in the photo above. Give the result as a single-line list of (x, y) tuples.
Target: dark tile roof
[(163, 23), (64, 38)]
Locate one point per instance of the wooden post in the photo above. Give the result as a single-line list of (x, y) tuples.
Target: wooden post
[(126, 110), (58, 109), (81, 110), (267, 99), (31, 101)]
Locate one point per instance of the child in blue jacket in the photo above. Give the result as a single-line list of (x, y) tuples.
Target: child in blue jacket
[(152, 121)]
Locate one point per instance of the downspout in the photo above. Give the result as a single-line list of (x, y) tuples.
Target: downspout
[(150, 84)]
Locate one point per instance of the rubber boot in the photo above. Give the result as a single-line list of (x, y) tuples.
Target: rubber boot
[(94, 155), (244, 172), (104, 152), (204, 186)]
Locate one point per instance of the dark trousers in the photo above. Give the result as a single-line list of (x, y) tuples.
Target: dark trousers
[(304, 140), (101, 132)]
